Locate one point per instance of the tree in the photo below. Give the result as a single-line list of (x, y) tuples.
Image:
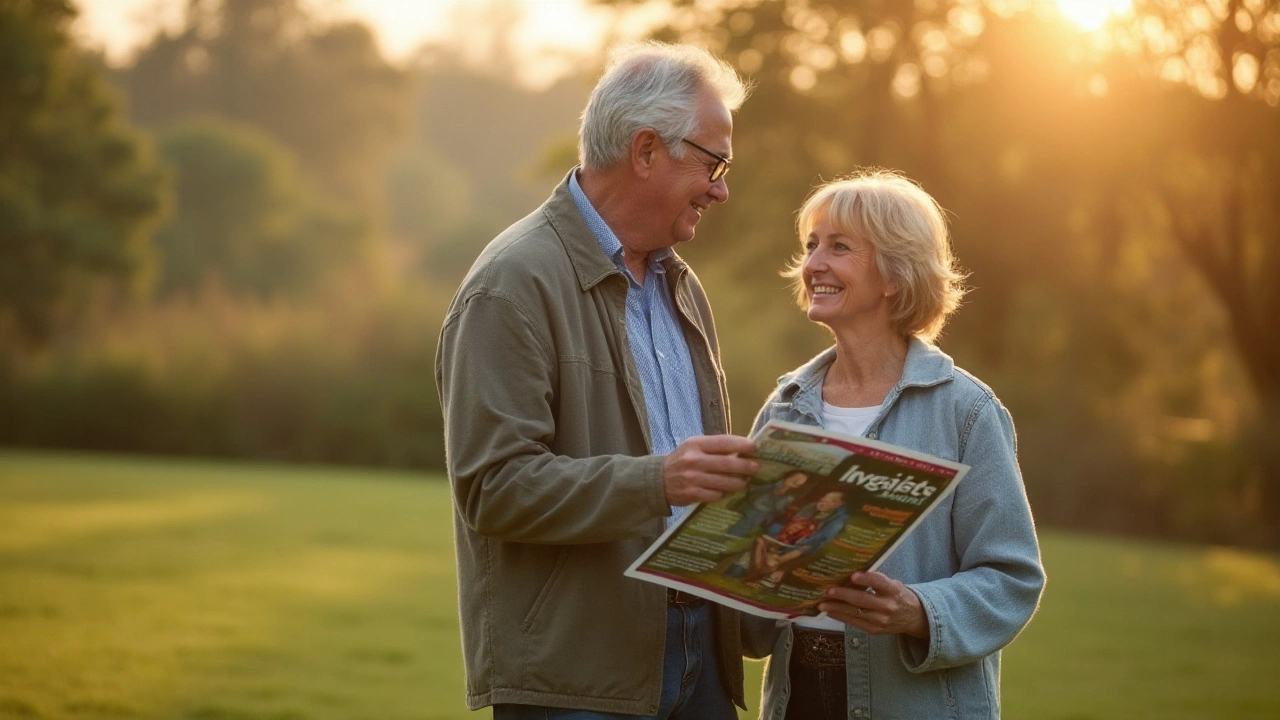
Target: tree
[(479, 160), (1216, 189), (79, 190), (321, 89), (244, 217), (1076, 164)]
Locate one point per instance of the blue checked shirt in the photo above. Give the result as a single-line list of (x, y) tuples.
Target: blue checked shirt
[(671, 396)]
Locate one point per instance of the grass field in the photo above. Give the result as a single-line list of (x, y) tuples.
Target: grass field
[(135, 588)]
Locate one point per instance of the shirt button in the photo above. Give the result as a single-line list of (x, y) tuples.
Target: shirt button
[(951, 702), (857, 712), (856, 642), (871, 435)]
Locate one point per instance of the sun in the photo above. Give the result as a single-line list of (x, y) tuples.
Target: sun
[(1092, 14)]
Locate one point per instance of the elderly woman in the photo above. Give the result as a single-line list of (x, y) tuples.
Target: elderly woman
[(921, 638)]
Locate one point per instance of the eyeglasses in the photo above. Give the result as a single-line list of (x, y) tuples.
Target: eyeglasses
[(722, 163)]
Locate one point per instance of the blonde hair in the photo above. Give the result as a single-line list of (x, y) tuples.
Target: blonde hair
[(906, 227)]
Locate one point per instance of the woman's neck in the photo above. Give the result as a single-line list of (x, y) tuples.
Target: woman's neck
[(865, 369)]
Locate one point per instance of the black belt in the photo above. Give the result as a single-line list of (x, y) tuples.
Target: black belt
[(676, 597), (818, 649)]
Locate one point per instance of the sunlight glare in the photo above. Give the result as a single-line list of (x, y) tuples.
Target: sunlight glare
[(1089, 15)]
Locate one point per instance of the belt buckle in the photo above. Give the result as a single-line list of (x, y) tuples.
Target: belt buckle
[(676, 597), (819, 650)]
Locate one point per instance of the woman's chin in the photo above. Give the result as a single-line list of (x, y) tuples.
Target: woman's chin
[(821, 315)]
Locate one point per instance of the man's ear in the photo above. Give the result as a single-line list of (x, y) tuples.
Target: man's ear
[(644, 149)]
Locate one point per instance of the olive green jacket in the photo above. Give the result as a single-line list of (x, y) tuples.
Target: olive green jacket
[(555, 490)]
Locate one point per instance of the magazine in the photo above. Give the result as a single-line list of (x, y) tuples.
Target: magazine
[(821, 506)]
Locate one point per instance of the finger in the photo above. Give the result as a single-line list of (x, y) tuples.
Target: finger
[(713, 482), (879, 582), (874, 593), (858, 597), (721, 473), (699, 495), (847, 614), (850, 595), (722, 444), (842, 616), (718, 483), (724, 465), (846, 595), (690, 493), (703, 495)]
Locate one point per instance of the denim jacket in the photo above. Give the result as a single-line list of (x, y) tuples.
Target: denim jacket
[(974, 561)]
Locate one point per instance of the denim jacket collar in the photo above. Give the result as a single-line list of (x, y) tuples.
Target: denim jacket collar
[(925, 366)]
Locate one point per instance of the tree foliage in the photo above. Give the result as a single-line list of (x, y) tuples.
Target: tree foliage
[(79, 190), (478, 159), (1113, 194), (323, 90), (244, 217)]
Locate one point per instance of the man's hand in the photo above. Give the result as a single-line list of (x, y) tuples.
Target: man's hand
[(705, 468)]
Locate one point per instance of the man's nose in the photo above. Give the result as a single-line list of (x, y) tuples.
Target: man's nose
[(719, 191)]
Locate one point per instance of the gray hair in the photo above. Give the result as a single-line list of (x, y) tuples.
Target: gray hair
[(906, 227), (651, 85)]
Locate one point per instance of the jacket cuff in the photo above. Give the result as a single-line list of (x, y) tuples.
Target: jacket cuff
[(657, 489), (919, 655)]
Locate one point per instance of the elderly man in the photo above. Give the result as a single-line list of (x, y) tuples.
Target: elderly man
[(584, 405)]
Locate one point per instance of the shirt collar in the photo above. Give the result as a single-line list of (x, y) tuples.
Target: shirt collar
[(925, 365), (609, 242)]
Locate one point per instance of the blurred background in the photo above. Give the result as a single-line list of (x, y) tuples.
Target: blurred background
[(229, 229)]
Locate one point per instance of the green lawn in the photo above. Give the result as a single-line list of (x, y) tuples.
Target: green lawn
[(209, 591)]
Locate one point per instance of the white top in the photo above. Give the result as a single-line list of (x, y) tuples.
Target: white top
[(850, 421)]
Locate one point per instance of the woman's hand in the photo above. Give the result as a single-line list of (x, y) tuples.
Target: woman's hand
[(877, 604)]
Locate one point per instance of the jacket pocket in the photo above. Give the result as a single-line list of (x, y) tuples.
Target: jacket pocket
[(562, 558), (969, 692), (947, 683)]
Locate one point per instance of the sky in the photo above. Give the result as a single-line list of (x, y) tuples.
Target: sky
[(553, 38), (553, 33)]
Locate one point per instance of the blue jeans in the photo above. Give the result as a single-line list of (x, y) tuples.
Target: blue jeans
[(817, 693), (692, 688)]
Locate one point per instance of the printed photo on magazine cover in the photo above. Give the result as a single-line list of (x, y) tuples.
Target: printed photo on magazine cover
[(821, 506)]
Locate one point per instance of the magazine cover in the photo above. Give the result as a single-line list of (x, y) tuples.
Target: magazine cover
[(821, 506)]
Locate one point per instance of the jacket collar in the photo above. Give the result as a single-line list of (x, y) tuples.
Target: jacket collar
[(589, 261), (925, 366)]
